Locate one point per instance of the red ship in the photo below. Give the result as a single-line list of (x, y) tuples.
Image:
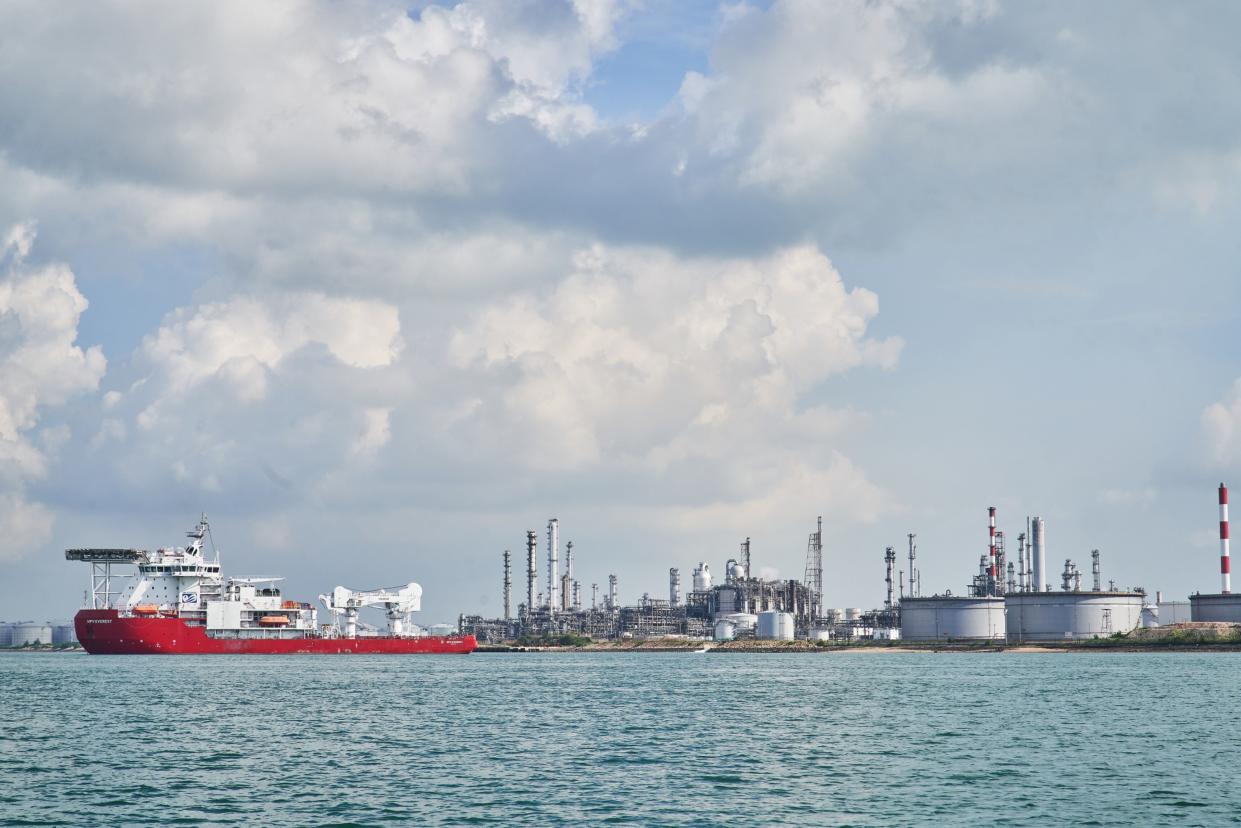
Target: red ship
[(179, 604)]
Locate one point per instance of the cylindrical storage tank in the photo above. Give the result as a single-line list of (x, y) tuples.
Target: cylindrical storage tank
[(64, 634), (775, 626), (853, 613), (835, 616), (1150, 616), (743, 620), (725, 630), (820, 635), (702, 577), (947, 617), (6, 635), (1060, 616), (1216, 607), (26, 634)]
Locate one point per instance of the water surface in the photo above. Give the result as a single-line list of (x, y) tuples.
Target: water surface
[(674, 739)]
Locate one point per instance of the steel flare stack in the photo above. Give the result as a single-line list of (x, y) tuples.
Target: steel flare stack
[(179, 603)]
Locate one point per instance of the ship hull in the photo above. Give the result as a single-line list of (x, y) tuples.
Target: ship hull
[(106, 632)]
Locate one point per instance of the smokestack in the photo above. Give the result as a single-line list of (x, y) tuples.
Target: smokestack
[(1095, 571), (532, 573), (1038, 538), (674, 586), (508, 586), (993, 574), (553, 564), (1225, 569)]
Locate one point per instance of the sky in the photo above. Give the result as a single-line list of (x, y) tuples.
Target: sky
[(379, 287)]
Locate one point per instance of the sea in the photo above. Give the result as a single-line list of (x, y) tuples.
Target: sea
[(675, 739)]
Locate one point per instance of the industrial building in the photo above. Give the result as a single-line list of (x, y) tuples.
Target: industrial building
[(1059, 616), (950, 617), (1006, 600), (30, 633), (741, 605), (1012, 600)]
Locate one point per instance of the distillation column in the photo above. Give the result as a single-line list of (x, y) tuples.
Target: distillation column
[(553, 564), (532, 575), (1038, 539), (508, 586)]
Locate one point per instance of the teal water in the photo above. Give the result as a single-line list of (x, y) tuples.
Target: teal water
[(625, 739)]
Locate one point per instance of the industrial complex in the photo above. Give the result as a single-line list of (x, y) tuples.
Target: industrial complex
[(1007, 600), (37, 634)]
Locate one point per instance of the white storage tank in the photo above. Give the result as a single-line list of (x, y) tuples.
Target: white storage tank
[(820, 634), (64, 634), (26, 634), (1060, 616), (6, 635), (835, 616), (725, 630), (948, 617), (1217, 607), (743, 621), (775, 626), (853, 614), (702, 577)]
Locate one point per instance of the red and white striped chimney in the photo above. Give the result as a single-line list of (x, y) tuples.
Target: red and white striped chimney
[(1225, 570), (991, 515)]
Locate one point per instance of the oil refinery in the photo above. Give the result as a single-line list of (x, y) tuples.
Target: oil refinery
[(1004, 600)]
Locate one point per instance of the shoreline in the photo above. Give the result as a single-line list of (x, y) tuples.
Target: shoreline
[(807, 648)]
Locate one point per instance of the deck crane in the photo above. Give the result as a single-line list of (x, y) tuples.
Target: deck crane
[(398, 603)]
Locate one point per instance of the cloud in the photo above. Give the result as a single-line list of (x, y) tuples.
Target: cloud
[(297, 97), (40, 367), (254, 399), (244, 338), (800, 95), (654, 380), (683, 381), (1221, 424)]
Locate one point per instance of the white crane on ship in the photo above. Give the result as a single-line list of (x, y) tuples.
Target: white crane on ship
[(398, 603)]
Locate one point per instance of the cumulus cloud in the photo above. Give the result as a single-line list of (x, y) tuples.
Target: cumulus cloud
[(244, 338), (675, 369), (797, 94), (1221, 423), (41, 366), (254, 399), (297, 97)]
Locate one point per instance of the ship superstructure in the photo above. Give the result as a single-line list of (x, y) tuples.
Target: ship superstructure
[(178, 601)]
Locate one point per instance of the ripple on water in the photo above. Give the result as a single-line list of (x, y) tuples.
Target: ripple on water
[(626, 739)]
